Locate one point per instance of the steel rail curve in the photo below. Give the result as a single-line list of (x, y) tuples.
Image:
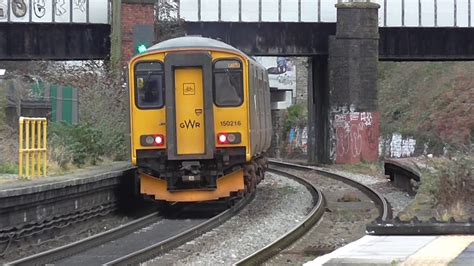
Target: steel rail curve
[(297, 232), (260, 256), (176, 241), (59, 253), (385, 210), (56, 254)]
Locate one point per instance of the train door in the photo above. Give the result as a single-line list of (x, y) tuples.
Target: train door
[(189, 106), (189, 102)]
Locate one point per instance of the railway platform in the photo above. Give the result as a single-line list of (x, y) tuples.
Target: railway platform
[(403, 250), (28, 202)]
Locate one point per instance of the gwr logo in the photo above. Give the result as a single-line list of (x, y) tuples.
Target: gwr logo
[(190, 124)]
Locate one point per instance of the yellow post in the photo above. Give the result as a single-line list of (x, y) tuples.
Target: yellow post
[(45, 155), (32, 145), (39, 152), (27, 148), (20, 159), (33, 148)]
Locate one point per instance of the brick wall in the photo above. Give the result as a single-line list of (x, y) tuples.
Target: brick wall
[(134, 14)]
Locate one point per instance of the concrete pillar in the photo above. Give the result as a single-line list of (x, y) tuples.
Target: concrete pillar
[(277, 126), (301, 64), (353, 59), (134, 13), (318, 109)]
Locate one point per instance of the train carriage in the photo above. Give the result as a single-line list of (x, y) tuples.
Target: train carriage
[(200, 120)]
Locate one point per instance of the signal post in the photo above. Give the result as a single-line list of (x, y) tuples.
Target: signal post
[(133, 26)]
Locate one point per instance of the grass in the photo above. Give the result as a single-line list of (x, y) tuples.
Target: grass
[(8, 168), (445, 191), (373, 169)]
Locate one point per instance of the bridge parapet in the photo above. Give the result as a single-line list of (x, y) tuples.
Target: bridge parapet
[(55, 11), (392, 13)]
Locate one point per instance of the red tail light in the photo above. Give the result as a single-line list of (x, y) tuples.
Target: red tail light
[(222, 138), (152, 140), (159, 140), (228, 138)]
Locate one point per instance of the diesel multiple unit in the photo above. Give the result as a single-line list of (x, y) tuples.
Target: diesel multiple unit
[(200, 120)]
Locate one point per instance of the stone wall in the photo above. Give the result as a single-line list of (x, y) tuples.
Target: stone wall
[(301, 64), (277, 140), (353, 60)]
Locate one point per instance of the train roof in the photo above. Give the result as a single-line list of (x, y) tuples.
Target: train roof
[(190, 42)]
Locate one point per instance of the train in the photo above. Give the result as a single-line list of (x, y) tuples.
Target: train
[(200, 121)]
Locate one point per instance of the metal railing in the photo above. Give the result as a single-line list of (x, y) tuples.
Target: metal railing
[(392, 13), (32, 161), (55, 11)]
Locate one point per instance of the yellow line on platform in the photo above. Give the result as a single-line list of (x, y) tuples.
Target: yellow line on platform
[(440, 251)]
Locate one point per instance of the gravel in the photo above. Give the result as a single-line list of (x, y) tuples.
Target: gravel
[(348, 210), (397, 198), (279, 205)]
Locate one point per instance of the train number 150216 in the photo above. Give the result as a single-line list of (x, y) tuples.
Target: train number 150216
[(230, 123)]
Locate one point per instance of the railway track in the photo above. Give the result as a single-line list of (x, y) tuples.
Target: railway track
[(315, 215), (92, 251), (138, 240)]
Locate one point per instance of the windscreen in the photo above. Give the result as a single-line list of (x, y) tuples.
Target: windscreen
[(149, 85), (228, 89)]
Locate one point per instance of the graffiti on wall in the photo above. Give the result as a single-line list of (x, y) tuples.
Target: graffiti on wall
[(298, 141), (3, 10), (55, 11), (396, 146), (354, 135), (281, 75)]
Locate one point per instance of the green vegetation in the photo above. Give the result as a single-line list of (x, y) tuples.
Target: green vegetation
[(103, 110), (373, 169), (297, 118), (80, 144), (8, 168), (432, 102), (445, 191), (3, 102)]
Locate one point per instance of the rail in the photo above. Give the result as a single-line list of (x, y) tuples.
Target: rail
[(385, 211), (87, 243), (168, 244), (267, 252), (297, 232), (140, 255)]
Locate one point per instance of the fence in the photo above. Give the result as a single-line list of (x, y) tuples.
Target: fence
[(33, 149), (392, 13)]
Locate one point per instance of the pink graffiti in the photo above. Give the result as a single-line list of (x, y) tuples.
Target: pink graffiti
[(355, 135)]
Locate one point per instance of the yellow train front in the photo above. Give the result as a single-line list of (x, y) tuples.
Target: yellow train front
[(200, 120)]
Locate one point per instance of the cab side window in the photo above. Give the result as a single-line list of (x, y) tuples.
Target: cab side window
[(228, 83), (149, 85)]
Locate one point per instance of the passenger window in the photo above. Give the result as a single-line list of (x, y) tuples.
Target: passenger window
[(149, 85), (228, 87)]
